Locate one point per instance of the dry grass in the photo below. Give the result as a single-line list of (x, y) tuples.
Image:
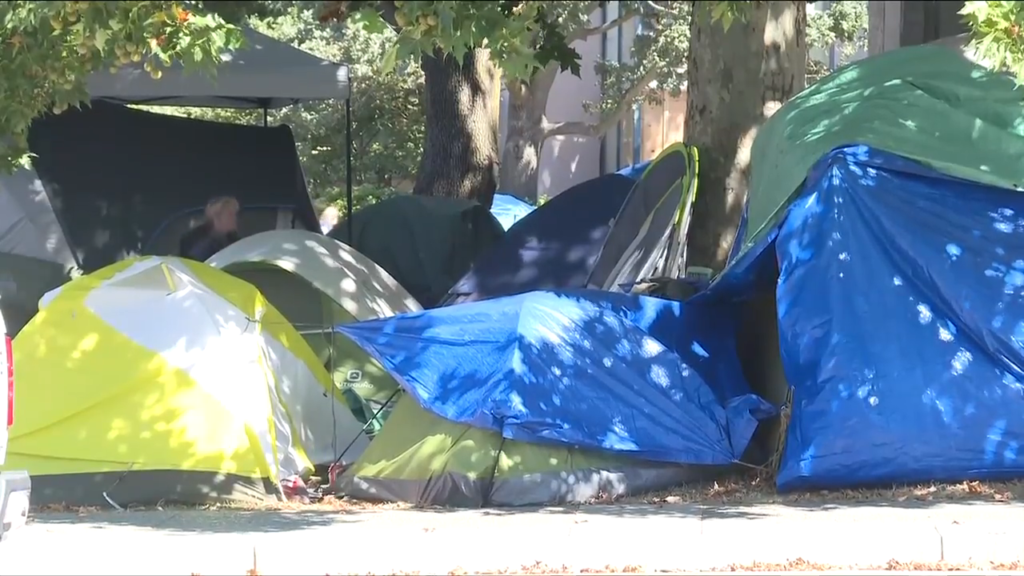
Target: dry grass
[(328, 504), (740, 490), (798, 565), (756, 490)]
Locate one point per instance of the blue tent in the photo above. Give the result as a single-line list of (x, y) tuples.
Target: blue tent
[(554, 247), (621, 373), (634, 171), (900, 307), (509, 209)]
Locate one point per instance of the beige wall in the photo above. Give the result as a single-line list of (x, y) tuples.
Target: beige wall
[(661, 126), (568, 160)]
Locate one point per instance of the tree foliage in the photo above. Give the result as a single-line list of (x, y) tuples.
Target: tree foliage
[(996, 34), (387, 109), (843, 25), (49, 49), (655, 65)]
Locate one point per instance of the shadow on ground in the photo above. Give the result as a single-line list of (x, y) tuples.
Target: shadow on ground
[(202, 521)]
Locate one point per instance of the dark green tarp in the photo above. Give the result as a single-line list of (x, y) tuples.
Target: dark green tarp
[(426, 243), (928, 103)]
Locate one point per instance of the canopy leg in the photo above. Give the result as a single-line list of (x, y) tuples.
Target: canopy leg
[(348, 166), (264, 116)]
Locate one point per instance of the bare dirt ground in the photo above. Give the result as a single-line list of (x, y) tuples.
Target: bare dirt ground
[(738, 490), (798, 565), (754, 489)]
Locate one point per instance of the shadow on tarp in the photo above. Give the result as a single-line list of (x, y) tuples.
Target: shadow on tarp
[(899, 314), (627, 374)]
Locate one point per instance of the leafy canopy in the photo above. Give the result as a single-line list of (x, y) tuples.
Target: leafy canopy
[(387, 132), (995, 30), (49, 49)]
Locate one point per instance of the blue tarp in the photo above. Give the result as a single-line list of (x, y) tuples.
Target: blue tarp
[(634, 171), (554, 247), (616, 372), (509, 209), (901, 318)]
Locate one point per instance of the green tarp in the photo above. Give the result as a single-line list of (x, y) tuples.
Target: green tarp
[(426, 243), (926, 103)]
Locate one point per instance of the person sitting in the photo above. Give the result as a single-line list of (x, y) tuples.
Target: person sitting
[(218, 230), (329, 219)]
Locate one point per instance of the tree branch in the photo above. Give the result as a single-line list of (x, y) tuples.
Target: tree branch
[(599, 129), (584, 32)]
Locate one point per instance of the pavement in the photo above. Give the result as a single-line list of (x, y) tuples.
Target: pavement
[(655, 537)]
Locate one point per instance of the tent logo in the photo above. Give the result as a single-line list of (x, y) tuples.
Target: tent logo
[(354, 379)]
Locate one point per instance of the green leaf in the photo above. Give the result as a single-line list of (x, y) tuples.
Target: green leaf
[(726, 20), (101, 36), (387, 64), (718, 10)]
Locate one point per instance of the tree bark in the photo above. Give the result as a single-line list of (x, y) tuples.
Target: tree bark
[(460, 153), (736, 78), (529, 128), (526, 133)]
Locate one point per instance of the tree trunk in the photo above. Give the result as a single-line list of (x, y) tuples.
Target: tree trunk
[(460, 154), (736, 80), (527, 130)]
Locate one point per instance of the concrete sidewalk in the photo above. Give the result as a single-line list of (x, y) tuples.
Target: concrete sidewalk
[(668, 537)]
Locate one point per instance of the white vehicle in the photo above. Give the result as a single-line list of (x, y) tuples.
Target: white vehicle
[(15, 485)]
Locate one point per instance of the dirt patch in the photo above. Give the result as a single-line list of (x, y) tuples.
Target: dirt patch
[(328, 504), (798, 565), (755, 489), (740, 490)]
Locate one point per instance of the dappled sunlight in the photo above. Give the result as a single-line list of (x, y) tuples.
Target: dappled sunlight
[(553, 247), (425, 243), (161, 381), (427, 460), (925, 103), (534, 368), (364, 289), (901, 315)]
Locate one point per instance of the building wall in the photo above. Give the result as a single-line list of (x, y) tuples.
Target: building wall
[(894, 24), (568, 160)]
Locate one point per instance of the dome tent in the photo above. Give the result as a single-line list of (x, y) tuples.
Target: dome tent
[(426, 460), (426, 242), (317, 282), (551, 397), (157, 379), (881, 273)]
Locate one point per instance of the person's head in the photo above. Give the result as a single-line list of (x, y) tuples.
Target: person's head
[(222, 214), (329, 218)]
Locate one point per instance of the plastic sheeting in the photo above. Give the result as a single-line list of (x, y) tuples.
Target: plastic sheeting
[(634, 171), (901, 317), (508, 209), (555, 247), (614, 372), (926, 103)]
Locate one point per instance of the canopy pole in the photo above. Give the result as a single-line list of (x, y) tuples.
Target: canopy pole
[(348, 166), (264, 116)]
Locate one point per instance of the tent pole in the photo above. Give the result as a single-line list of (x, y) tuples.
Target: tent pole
[(264, 116), (348, 166)]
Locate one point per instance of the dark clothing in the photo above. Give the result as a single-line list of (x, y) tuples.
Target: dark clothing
[(202, 242)]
